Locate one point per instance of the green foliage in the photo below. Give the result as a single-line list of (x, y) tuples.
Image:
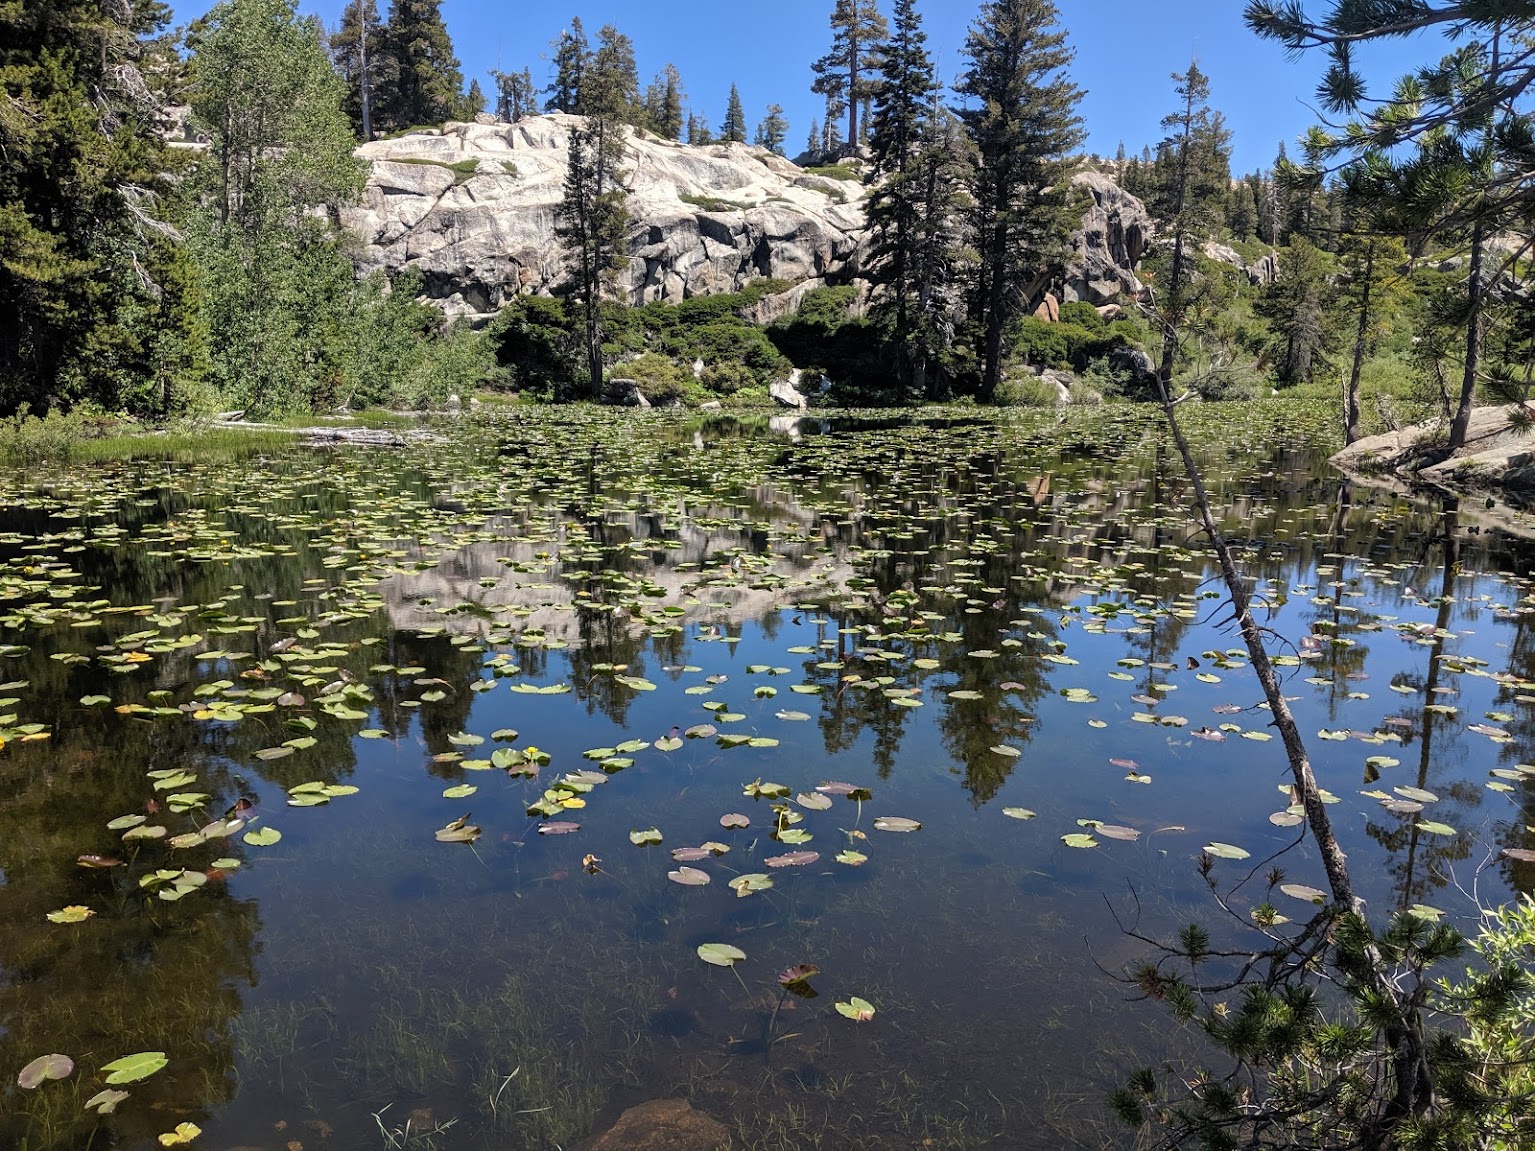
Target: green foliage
[(93, 297), (661, 379), (733, 127), (711, 203), (424, 84), (826, 334), (1021, 116), (29, 439), (835, 172), (846, 75)]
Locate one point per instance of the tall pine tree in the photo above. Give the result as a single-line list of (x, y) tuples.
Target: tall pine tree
[(1021, 115), (733, 128), (572, 57), (592, 219), (426, 84), (846, 74), (912, 207)]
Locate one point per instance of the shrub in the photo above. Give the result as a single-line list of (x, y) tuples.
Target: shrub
[(661, 379), (728, 377)]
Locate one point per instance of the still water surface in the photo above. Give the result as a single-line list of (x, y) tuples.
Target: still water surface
[(996, 630)]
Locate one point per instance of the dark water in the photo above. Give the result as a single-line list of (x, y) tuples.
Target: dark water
[(968, 610)]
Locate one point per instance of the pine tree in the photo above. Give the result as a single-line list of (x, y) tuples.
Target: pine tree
[(572, 57), (699, 132), (516, 97), (772, 130), (912, 208), (845, 74), (592, 219), (733, 129), (813, 141), (474, 100), (1296, 305), (93, 291), (663, 104), (611, 85), (427, 85), (1193, 180), (1021, 116), (357, 47), (1370, 287)]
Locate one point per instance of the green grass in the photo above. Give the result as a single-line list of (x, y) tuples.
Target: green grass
[(461, 169), (202, 444), (836, 172), (712, 203)]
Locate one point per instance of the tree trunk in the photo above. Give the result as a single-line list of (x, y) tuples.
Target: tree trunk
[(1361, 334), (1462, 421)]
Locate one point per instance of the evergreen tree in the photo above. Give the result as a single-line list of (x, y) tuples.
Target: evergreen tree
[(813, 141), (912, 200), (663, 104), (699, 132), (95, 299), (1369, 287), (572, 57), (1021, 116), (845, 74), (1193, 178), (474, 100), (611, 86), (733, 129), (357, 47), (1242, 211), (592, 219), (1296, 305), (516, 96), (427, 85), (772, 130), (831, 132)]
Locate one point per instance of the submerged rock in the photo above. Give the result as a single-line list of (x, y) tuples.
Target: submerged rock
[(663, 1125)]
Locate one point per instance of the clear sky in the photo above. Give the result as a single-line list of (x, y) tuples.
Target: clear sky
[(1125, 53)]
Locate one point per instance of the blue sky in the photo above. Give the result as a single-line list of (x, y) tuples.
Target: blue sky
[(1126, 50)]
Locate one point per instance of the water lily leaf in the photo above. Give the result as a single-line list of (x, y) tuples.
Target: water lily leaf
[(896, 823), (1434, 828), (74, 913), (558, 827), (647, 836), (852, 858), (461, 791), (44, 1068), (793, 835), (720, 954), (744, 885), (813, 801), (126, 821), (667, 743), (1301, 891), (792, 859), (734, 819), (1017, 813), (1115, 831), (132, 1068), (1416, 793), (856, 1009), (1079, 839), (105, 1102), (799, 973), (184, 1133), (1227, 851), (688, 876), (262, 837)]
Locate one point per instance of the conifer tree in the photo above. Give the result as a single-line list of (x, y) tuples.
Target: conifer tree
[(845, 75), (426, 84), (611, 85), (474, 100), (772, 130), (516, 96), (592, 219), (357, 47), (572, 57), (93, 292), (663, 104), (1021, 116), (733, 128), (912, 207), (1296, 306), (699, 132), (1193, 179)]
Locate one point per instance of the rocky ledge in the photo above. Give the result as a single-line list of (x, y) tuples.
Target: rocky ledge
[(472, 208), (1498, 455)]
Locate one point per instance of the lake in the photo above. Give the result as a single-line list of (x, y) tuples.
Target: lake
[(466, 793)]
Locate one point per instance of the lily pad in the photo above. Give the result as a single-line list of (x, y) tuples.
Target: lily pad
[(720, 954), (132, 1068), (44, 1068), (896, 823), (856, 1009), (688, 876)]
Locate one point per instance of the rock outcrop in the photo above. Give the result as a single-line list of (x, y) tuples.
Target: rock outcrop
[(1115, 232), (1498, 455), (1260, 273), (472, 208)]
